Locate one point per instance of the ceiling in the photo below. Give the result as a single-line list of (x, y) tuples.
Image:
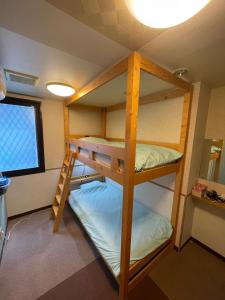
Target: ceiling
[(59, 41), (42, 22), (38, 39), (111, 18), (49, 64), (114, 91), (198, 44)]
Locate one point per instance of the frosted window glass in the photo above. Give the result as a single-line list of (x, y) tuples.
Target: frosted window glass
[(18, 139)]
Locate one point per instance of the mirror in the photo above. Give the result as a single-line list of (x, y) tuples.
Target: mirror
[(213, 160)]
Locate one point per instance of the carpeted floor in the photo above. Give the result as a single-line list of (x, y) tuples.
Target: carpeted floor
[(94, 282), (35, 260), (37, 263), (194, 274)]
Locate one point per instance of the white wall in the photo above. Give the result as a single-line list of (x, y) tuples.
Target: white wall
[(199, 111), (200, 103), (159, 121), (156, 197), (215, 127), (83, 121), (209, 226), (34, 191), (209, 222)]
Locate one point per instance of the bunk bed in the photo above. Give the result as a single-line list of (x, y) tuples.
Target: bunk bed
[(117, 160)]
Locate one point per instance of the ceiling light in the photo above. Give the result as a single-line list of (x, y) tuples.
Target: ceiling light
[(60, 89), (182, 73), (164, 13)]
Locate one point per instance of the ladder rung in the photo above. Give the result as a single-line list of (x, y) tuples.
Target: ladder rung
[(61, 187), (63, 174), (55, 210), (58, 199), (62, 190), (66, 163)]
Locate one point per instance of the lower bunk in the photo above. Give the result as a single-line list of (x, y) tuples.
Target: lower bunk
[(98, 206)]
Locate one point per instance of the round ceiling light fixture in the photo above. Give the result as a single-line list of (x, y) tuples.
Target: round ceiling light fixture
[(181, 73), (60, 89), (164, 13)]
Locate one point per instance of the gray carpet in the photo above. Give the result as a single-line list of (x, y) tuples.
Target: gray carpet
[(194, 274), (36, 262), (94, 282)]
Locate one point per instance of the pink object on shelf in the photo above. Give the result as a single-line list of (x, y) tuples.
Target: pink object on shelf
[(199, 189)]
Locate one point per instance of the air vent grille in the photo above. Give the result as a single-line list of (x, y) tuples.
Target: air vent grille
[(21, 78)]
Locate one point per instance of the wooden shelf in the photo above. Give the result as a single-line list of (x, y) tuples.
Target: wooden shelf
[(210, 202)]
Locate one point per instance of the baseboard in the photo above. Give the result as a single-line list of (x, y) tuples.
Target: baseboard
[(28, 212), (201, 245), (208, 248), (185, 243)]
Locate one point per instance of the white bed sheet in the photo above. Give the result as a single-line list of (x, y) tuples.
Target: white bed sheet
[(99, 205)]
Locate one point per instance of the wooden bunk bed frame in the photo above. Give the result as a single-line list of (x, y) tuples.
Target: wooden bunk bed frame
[(131, 275)]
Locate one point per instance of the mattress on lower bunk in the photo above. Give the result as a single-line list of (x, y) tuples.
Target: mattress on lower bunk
[(98, 205), (147, 156)]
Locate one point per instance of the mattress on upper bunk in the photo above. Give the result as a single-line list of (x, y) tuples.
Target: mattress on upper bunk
[(98, 205), (147, 156)]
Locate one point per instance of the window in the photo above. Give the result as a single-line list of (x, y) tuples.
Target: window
[(21, 137)]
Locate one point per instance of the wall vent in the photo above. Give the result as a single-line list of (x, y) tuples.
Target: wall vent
[(21, 78)]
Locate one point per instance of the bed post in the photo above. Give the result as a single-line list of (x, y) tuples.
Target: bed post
[(66, 127), (180, 172), (103, 116), (133, 84)]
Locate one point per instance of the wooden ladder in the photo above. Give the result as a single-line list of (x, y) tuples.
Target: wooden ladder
[(62, 190)]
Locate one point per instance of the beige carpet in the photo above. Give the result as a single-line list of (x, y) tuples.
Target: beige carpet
[(36, 261)]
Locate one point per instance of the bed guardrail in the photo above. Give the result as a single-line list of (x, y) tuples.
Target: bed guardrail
[(116, 154)]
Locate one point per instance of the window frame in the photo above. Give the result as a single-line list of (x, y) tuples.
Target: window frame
[(39, 136)]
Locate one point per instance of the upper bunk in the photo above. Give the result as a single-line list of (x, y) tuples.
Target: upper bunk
[(110, 97)]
